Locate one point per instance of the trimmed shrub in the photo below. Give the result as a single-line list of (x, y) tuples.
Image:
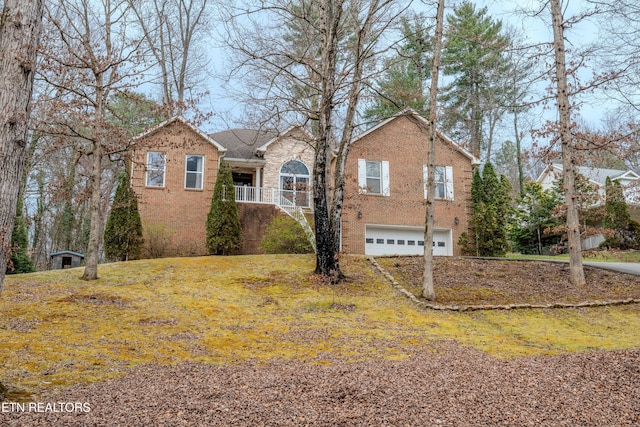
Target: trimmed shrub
[(223, 222), (123, 232)]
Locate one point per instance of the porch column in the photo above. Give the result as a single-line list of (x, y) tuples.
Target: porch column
[(258, 184)]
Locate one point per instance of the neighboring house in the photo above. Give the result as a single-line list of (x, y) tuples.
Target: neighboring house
[(385, 190), (174, 169), (628, 179)]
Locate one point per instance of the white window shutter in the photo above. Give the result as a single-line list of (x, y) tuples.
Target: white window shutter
[(449, 182), (386, 191), (362, 176), (425, 180)]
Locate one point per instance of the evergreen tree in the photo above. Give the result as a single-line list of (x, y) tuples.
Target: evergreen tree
[(491, 205), (473, 57), (616, 217), (123, 232), (402, 83), (223, 223), (20, 259), (533, 219)]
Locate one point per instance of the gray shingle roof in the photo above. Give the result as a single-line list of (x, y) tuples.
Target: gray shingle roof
[(242, 143), (597, 174)]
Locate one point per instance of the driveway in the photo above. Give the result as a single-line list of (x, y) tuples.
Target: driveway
[(622, 267)]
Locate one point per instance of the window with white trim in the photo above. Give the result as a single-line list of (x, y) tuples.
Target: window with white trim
[(443, 182), (194, 172), (294, 182), (373, 177), (156, 167)]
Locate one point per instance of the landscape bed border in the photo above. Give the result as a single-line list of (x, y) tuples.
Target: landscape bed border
[(461, 308)]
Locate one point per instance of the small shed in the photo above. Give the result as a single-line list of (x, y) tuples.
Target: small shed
[(65, 259)]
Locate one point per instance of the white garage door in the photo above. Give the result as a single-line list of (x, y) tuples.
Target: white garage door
[(381, 240)]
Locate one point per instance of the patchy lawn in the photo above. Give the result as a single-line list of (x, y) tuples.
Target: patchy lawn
[(57, 331)]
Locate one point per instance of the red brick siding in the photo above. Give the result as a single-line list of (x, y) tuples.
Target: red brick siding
[(181, 212), (404, 145), (254, 219)]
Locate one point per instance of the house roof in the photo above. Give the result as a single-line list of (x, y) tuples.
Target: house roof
[(414, 114), (596, 175), (182, 120), (66, 253), (266, 145), (243, 144)]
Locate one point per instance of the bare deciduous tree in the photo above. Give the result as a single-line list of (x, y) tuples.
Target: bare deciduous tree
[(90, 44), (305, 62), (576, 271), (427, 278), (174, 32), (20, 24)]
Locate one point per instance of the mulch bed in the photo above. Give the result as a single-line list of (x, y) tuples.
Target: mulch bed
[(469, 281), (446, 385)]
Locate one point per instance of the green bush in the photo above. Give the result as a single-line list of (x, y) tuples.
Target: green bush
[(123, 231), (285, 236), (224, 232), (20, 261)]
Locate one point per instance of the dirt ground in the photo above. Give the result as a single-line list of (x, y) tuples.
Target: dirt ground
[(510, 281)]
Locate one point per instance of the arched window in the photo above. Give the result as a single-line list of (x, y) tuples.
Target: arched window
[(294, 182)]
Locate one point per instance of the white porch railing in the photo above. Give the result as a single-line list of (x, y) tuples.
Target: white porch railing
[(288, 201), (272, 196)]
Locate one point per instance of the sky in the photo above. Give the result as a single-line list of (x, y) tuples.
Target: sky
[(537, 31)]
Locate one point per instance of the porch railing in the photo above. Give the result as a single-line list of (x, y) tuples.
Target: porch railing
[(289, 202), (272, 196)]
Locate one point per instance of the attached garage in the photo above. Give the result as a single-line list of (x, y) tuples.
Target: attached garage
[(399, 240)]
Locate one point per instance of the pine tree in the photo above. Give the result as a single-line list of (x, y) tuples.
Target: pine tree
[(402, 82), (123, 232), (473, 57), (20, 259), (491, 205), (533, 215), (616, 217), (223, 223)]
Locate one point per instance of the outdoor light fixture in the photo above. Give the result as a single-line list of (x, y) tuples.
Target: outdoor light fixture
[(456, 220), (359, 214)]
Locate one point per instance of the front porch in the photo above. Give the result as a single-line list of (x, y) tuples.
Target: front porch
[(291, 202), (273, 196)]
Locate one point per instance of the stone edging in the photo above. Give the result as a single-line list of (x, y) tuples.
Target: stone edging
[(424, 304)]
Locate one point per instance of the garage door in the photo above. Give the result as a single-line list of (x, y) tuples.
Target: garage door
[(380, 240)]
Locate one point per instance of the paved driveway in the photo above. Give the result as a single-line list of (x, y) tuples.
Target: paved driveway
[(623, 267)]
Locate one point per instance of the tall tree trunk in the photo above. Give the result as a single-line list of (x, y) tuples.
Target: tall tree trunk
[(95, 232), (518, 153), (362, 33), (576, 272), (427, 284), (20, 25), (325, 249)]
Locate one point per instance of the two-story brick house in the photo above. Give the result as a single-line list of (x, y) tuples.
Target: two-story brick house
[(175, 166), (385, 190)]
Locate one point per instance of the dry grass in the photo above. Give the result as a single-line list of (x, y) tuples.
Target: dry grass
[(57, 330)]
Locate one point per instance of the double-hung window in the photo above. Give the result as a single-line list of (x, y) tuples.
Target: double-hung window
[(443, 182), (194, 171), (373, 177), (156, 168)]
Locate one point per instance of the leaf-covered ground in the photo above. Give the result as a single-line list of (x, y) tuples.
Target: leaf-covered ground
[(471, 281), (202, 336)]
